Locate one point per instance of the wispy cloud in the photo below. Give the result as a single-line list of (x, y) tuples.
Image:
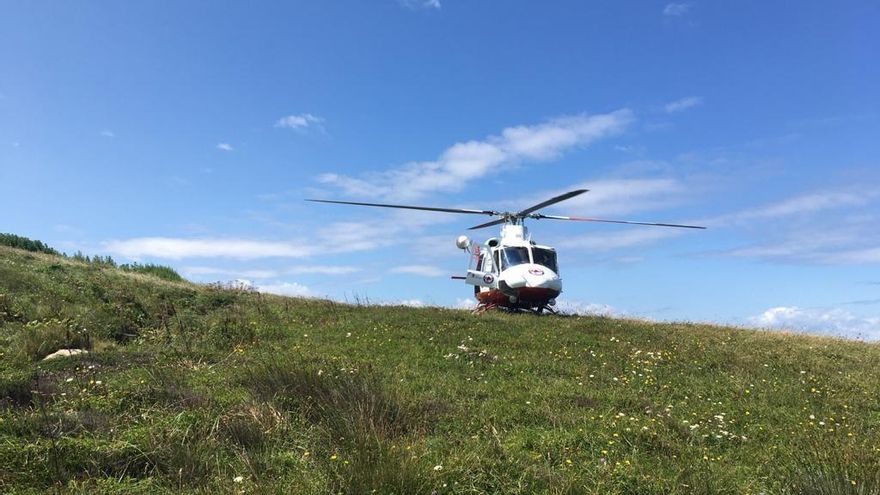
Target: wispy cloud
[(462, 303), (291, 289), (285, 289), (426, 4), (854, 256), (299, 122), (834, 321), (413, 303), (829, 227), (861, 302), (176, 248), (224, 147), (322, 270), (262, 274), (676, 9), (332, 238), (420, 270), (341, 237), (609, 241), (800, 205), (619, 196), (107, 133), (190, 271), (683, 104), (572, 307), (468, 161)]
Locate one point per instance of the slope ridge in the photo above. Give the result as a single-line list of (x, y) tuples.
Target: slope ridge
[(192, 388)]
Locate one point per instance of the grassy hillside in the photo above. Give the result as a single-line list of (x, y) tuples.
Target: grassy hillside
[(198, 389)]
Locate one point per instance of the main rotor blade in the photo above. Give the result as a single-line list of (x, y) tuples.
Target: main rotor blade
[(561, 197), (489, 224), (628, 222), (406, 207)]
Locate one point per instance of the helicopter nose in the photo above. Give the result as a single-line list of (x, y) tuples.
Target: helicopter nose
[(540, 277), (533, 277)]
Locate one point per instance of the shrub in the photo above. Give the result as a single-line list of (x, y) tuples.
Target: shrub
[(167, 387), (359, 417), (16, 390), (20, 242), (160, 271), (348, 403), (829, 466)]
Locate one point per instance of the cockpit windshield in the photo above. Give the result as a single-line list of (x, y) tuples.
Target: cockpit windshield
[(545, 257), (513, 256)]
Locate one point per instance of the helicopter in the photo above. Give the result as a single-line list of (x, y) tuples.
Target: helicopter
[(512, 272)]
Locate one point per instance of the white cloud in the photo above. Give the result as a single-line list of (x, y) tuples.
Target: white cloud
[(286, 289), (618, 196), (266, 274), (599, 242), (224, 147), (676, 9), (854, 256), (798, 205), (176, 248), (299, 122), (812, 202), (464, 162), (571, 307), (108, 133), (683, 104), (343, 237), (415, 303), (465, 304), (834, 321), (323, 270), (836, 245), (420, 270), (238, 274), (427, 4), (831, 227), (332, 238)]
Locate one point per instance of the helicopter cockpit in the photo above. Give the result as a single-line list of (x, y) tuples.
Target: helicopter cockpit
[(504, 258)]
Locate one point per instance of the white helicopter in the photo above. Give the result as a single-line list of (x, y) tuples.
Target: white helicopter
[(512, 272)]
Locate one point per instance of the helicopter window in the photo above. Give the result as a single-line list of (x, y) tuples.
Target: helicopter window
[(513, 256), (486, 263), (545, 257)]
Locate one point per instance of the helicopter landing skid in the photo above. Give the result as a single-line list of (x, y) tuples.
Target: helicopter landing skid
[(541, 309), (483, 307)]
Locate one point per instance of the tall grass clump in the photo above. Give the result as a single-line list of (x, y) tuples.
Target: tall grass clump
[(160, 271), (41, 338), (364, 422), (829, 466)]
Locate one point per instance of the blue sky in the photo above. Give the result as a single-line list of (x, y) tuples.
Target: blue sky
[(189, 133)]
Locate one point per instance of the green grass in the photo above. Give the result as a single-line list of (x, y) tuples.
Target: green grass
[(201, 389), (161, 271)]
